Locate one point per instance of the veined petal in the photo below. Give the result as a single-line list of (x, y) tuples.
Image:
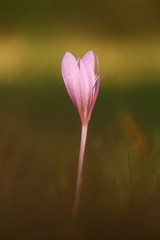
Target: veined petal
[(70, 72), (95, 91), (97, 80), (89, 60), (86, 88), (97, 83), (97, 63), (94, 96)]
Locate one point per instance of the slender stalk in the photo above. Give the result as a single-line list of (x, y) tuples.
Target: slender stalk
[(79, 173)]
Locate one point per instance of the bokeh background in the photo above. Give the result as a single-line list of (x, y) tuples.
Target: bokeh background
[(40, 129)]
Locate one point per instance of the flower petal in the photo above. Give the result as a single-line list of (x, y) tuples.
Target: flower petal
[(70, 72), (89, 60), (95, 91), (98, 79), (86, 88)]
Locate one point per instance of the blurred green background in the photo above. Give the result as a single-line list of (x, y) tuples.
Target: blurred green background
[(40, 129)]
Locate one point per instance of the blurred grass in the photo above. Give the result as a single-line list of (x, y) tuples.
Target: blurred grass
[(39, 144)]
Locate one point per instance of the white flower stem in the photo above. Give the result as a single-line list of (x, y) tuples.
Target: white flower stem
[(79, 173)]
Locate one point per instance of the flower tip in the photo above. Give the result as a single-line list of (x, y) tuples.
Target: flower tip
[(90, 51), (67, 54), (68, 60)]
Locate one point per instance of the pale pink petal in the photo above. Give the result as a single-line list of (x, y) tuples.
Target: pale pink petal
[(98, 79), (89, 60), (95, 91), (70, 72), (97, 63), (94, 98), (86, 88)]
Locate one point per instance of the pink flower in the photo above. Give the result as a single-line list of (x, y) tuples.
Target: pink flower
[(82, 83)]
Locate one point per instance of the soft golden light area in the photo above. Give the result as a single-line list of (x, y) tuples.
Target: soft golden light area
[(122, 58)]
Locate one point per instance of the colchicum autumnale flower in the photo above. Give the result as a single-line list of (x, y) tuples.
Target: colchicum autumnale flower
[(82, 84)]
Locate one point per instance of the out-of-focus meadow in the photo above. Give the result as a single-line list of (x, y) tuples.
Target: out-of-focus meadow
[(40, 129)]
